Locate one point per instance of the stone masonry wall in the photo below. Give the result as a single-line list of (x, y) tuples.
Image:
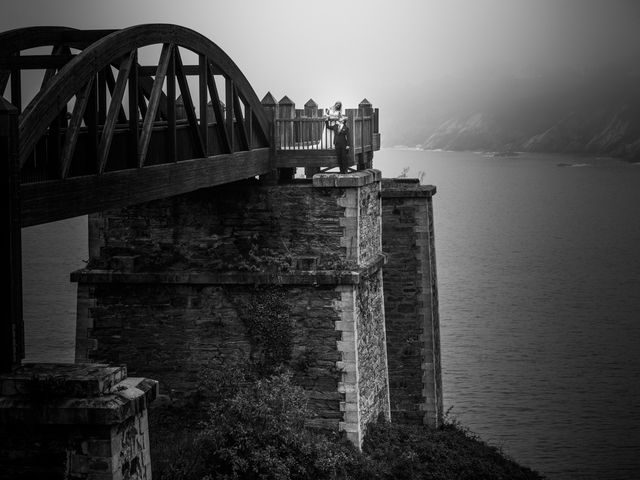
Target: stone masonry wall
[(370, 216), (167, 280), (76, 451), (236, 227), (171, 331), (372, 350), (411, 302)]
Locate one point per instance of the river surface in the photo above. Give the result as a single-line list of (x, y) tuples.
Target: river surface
[(538, 261)]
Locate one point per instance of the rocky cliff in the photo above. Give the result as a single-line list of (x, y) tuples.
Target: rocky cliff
[(591, 116), (613, 132)]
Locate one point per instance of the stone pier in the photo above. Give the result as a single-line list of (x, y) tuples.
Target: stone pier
[(411, 302), (68, 421), (247, 273)]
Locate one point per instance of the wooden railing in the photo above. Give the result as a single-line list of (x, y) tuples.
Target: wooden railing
[(302, 134), (311, 133), (301, 138), (364, 132)]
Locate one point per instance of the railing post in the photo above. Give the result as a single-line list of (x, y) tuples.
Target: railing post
[(11, 325), (286, 114), (366, 112), (361, 158), (298, 134), (352, 114), (311, 109), (271, 107), (269, 103), (376, 128), (375, 135), (312, 133), (310, 129)]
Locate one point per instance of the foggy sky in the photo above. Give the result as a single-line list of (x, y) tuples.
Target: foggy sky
[(380, 50)]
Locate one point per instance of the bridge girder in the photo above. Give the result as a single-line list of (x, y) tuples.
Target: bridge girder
[(100, 112)]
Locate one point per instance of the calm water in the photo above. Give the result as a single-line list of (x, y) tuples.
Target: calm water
[(49, 253), (539, 283)]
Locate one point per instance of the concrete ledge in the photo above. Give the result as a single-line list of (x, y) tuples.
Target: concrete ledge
[(406, 187), (45, 398), (347, 180), (71, 380), (318, 277)]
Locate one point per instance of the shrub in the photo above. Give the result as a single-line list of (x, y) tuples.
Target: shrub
[(255, 429), (451, 452), (175, 449)]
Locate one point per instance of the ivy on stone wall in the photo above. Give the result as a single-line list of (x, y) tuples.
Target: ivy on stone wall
[(266, 315)]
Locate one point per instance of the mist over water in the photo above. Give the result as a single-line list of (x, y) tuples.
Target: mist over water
[(539, 288)]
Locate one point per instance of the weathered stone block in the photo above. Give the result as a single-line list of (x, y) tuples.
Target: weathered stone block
[(47, 432)]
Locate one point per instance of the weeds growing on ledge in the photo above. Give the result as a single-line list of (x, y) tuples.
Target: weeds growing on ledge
[(253, 428)]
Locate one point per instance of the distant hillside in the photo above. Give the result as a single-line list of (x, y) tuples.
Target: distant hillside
[(596, 114)]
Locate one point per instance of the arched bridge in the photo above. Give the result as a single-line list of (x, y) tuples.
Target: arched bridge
[(104, 130), (126, 116), (120, 117)]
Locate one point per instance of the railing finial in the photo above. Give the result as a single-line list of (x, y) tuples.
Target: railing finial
[(268, 100), (286, 101), (365, 107)]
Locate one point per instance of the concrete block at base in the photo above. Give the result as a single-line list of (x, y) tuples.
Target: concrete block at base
[(339, 180), (74, 421)]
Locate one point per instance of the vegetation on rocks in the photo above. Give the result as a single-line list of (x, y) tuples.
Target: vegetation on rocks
[(266, 316), (254, 428)]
